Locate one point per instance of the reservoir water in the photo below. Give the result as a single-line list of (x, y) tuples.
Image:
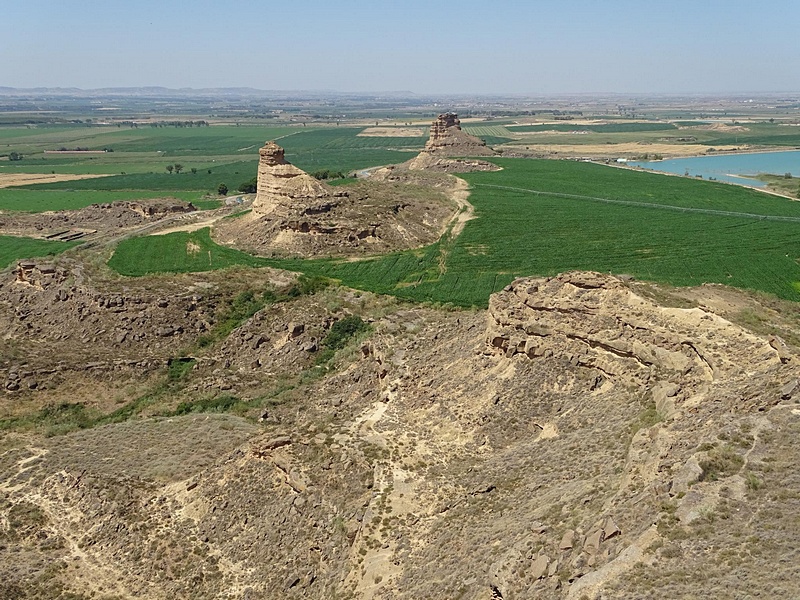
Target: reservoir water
[(734, 168)]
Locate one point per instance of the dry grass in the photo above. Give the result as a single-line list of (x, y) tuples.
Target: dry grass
[(392, 132), (164, 449), (16, 179)]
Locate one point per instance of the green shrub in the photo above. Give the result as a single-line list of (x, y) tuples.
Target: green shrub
[(720, 462), (248, 187), (221, 403), (343, 330), (753, 483), (238, 310), (64, 417), (178, 368), (307, 285)]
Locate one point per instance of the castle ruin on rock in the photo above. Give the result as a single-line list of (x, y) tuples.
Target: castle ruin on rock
[(448, 139), (446, 147)]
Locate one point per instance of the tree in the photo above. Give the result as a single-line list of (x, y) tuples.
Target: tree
[(222, 190), (169, 168), (194, 171), (15, 156), (249, 187), (178, 168)]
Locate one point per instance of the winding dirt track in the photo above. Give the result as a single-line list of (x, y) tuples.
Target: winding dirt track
[(466, 212)]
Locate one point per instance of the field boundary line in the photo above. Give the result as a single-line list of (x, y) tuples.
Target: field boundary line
[(707, 211)]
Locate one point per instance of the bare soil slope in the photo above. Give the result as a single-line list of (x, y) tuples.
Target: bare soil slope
[(94, 220), (577, 439), (366, 218)]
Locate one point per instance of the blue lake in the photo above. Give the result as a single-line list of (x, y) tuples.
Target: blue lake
[(726, 167)]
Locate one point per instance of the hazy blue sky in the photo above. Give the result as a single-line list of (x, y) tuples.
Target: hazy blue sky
[(503, 46)]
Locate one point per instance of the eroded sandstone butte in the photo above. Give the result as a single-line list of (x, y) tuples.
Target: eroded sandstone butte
[(282, 186), (448, 145), (295, 214)]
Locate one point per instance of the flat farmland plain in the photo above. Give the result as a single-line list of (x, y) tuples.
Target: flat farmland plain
[(136, 158), (539, 217)]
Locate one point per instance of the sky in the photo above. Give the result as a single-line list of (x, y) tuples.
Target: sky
[(426, 47)]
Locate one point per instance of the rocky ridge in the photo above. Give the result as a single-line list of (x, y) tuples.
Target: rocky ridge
[(51, 309), (574, 440), (86, 223)]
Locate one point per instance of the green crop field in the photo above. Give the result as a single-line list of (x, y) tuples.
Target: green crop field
[(754, 134), (487, 130), (15, 248), (772, 134), (181, 252), (218, 154), (342, 149), (542, 217), (231, 174)]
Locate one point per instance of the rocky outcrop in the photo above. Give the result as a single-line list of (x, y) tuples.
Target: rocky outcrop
[(58, 323), (293, 213), (283, 187), (448, 139), (525, 433), (448, 142), (598, 323), (85, 223)]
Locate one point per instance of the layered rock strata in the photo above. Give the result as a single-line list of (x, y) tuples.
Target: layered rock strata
[(282, 186), (447, 142), (597, 323), (293, 213), (448, 139)]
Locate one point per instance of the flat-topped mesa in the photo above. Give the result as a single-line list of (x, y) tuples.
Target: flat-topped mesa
[(281, 184)]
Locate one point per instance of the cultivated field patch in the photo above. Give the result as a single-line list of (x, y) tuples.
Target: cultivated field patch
[(614, 150), (180, 252), (593, 127), (15, 248), (538, 217), (392, 132), (18, 179), (37, 200)]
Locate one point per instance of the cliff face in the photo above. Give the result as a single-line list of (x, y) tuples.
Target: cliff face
[(281, 185)]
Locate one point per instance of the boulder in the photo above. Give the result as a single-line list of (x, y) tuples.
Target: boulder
[(539, 567), (567, 540)]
